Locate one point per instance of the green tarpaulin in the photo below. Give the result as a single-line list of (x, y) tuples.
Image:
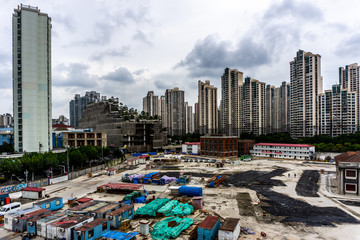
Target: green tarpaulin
[(161, 230), (173, 208), (151, 208)]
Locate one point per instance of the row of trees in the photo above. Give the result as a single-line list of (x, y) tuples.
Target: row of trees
[(322, 143), (39, 163)]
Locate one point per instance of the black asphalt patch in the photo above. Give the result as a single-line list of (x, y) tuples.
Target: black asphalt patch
[(308, 186), (350, 203)]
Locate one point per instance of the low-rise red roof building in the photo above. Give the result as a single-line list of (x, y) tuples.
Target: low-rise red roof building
[(284, 151)]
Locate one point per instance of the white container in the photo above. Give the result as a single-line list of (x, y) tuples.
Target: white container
[(144, 227), (227, 232), (41, 225), (8, 218)]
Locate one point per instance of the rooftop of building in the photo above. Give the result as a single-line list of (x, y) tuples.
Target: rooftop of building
[(90, 225), (209, 222), (348, 157), (230, 224), (283, 145), (218, 136), (192, 143), (33, 189)]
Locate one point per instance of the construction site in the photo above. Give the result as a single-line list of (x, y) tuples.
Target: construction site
[(258, 199)]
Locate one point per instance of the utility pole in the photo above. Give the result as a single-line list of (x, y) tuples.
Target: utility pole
[(26, 172), (67, 158)]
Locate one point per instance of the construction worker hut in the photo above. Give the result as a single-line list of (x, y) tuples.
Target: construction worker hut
[(92, 230), (117, 216)]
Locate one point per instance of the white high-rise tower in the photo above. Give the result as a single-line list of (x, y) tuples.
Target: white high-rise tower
[(32, 80)]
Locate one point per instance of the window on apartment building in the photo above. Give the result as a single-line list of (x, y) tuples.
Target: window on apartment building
[(350, 173), (350, 187)]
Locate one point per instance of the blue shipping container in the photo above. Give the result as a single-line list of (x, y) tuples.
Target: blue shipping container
[(52, 204)]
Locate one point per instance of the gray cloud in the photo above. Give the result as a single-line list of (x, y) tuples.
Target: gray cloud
[(102, 34), (65, 20), (121, 75), (73, 75), (211, 55), (104, 29), (122, 52), (140, 72), (142, 37), (140, 14), (340, 27), (349, 46), (276, 31), (300, 10)]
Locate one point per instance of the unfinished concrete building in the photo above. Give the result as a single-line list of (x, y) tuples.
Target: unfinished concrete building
[(135, 135)]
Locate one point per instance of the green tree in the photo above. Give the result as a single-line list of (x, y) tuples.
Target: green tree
[(10, 167), (338, 147)]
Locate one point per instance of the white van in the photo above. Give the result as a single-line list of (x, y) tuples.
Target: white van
[(10, 208)]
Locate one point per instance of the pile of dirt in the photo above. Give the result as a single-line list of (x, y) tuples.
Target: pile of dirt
[(244, 204), (307, 186)]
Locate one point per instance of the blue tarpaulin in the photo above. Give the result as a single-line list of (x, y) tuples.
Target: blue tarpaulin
[(119, 235), (141, 199)]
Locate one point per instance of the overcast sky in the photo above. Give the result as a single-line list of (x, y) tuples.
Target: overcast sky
[(126, 48)]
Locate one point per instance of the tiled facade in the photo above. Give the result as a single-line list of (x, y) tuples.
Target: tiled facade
[(219, 146)]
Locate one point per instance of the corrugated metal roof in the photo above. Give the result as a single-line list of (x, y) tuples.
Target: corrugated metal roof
[(47, 200), (70, 221), (192, 143), (82, 206), (90, 225), (107, 208), (121, 186), (42, 216), (35, 213), (283, 145), (84, 200), (121, 210), (230, 224), (209, 222), (33, 189)]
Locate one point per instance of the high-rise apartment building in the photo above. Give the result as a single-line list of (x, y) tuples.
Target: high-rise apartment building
[(6, 120), (207, 108), (189, 118), (162, 104), (151, 104), (282, 99), (337, 112), (277, 108), (175, 111), (252, 102), (229, 105), (32, 80), (306, 85), (78, 105), (349, 78), (271, 109)]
